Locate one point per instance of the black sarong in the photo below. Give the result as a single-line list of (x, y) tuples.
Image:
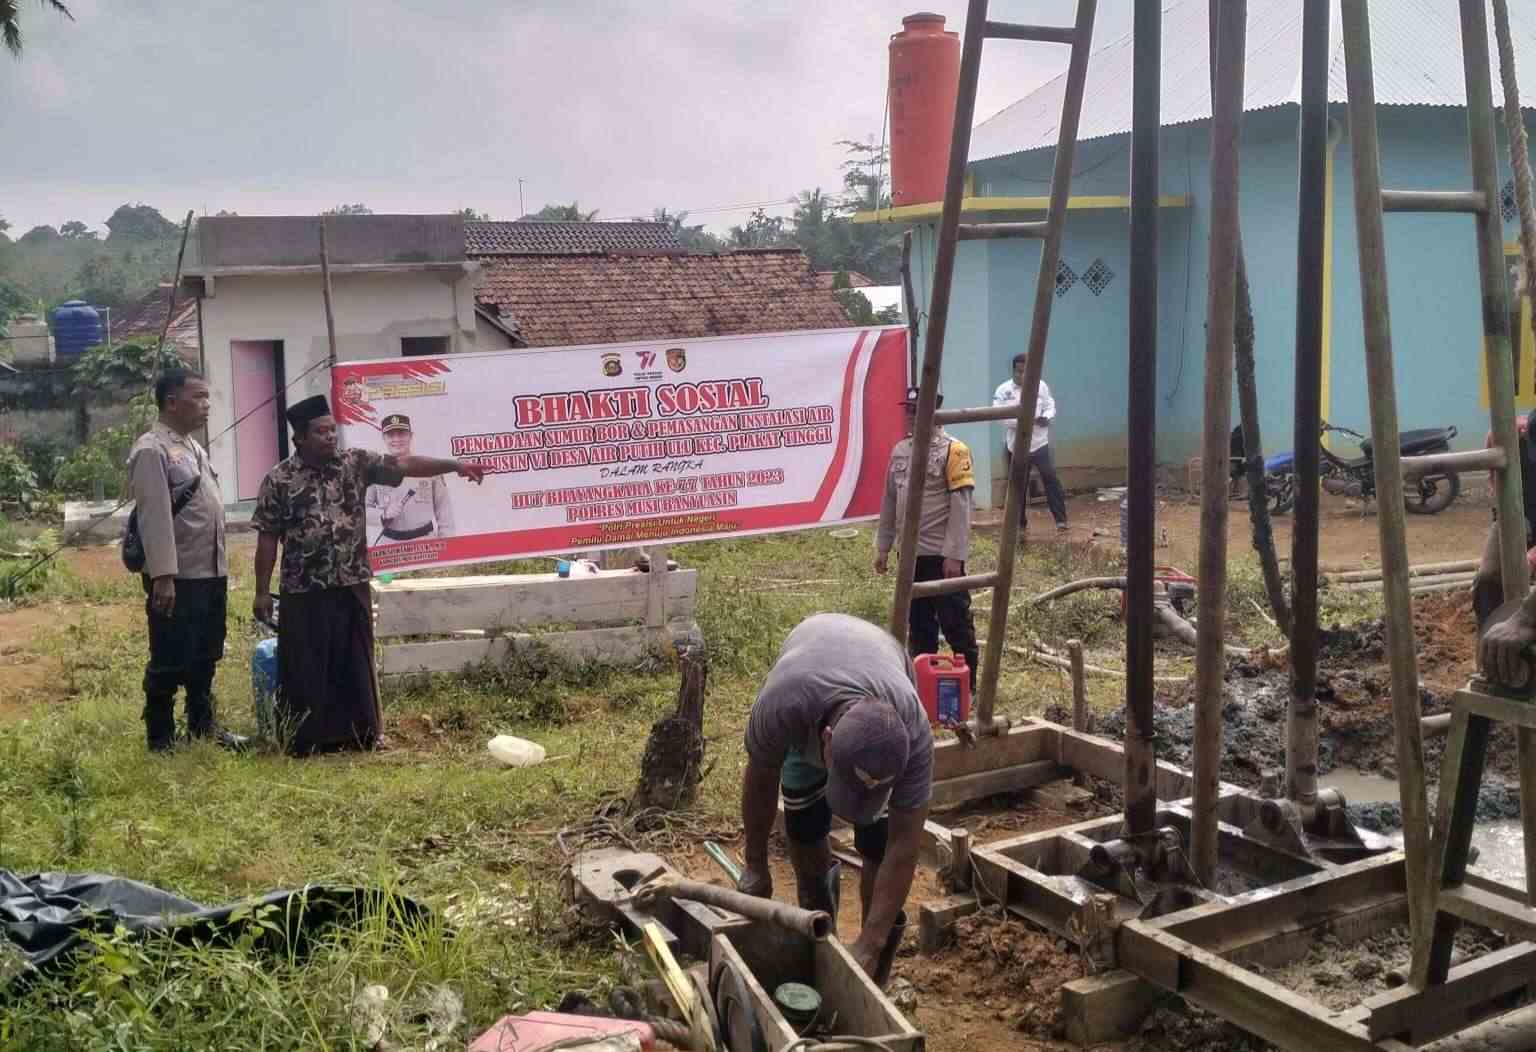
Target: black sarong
[(327, 694)]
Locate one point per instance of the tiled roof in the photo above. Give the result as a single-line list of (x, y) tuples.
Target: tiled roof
[(1415, 50), (563, 300), (143, 320), (558, 239), (856, 280)]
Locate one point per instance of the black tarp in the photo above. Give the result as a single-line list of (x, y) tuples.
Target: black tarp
[(44, 914)]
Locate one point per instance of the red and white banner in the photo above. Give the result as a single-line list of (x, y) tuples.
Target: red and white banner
[(618, 445)]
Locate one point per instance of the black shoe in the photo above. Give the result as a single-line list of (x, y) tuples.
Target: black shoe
[(219, 736)]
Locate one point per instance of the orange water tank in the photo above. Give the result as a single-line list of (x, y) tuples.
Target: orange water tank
[(925, 78)]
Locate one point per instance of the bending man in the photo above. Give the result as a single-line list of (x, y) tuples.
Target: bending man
[(839, 728)]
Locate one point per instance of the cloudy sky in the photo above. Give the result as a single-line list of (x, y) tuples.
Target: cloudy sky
[(432, 105)]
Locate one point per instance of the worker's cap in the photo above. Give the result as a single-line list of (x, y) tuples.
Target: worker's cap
[(913, 392), (868, 751), (312, 408), (395, 422)]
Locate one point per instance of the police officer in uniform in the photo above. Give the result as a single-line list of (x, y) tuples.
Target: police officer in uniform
[(943, 537), (414, 509)]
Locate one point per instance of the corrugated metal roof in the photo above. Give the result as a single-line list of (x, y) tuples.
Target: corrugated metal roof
[(1415, 45)]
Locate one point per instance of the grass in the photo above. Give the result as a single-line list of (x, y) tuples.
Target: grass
[(432, 818)]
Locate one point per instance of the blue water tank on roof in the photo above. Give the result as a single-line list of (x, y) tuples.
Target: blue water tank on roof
[(76, 327)]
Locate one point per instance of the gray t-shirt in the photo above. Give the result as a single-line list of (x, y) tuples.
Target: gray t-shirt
[(829, 659)]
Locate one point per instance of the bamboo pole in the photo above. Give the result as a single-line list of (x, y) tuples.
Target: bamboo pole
[(325, 288), (1079, 681), (938, 319), (1221, 308), (1312, 215), (1497, 343), (1034, 359), (1381, 384)]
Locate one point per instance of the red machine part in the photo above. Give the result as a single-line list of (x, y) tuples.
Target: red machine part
[(538, 1031), (1170, 577), (924, 81)]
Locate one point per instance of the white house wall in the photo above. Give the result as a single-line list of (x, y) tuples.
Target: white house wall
[(373, 312)]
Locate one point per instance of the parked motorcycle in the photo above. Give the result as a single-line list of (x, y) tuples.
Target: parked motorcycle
[(1356, 476)]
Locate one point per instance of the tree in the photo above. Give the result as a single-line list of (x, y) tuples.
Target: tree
[(224, 212), (692, 238), (38, 235), (106, 281), (761, 231), (4, 224), (469, 215), (74, 230), (139, 222), (102, 368), (348, 210), (10, 22), (570, 213)]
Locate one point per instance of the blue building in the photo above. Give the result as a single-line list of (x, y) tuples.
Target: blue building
[(1432, 266)]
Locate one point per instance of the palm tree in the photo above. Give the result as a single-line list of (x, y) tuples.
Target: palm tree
[(10, 22)]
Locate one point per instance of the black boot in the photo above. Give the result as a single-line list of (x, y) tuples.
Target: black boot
[(823, 892), (160, 722), (202, 723), (887, 957)]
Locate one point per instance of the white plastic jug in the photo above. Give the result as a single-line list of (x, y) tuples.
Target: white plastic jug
[(515, 752)]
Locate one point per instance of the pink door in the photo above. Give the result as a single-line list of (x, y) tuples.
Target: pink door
[(255, 367)]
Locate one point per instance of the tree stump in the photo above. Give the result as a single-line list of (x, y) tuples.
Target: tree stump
[(670, 770)]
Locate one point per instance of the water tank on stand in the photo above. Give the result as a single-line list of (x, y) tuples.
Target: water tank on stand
[(925, 79), (76, 328)]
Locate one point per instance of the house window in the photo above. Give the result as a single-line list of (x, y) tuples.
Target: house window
[(423, 346)]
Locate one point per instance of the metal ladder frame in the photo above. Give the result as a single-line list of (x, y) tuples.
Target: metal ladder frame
[(1435, 911), (952, 231)]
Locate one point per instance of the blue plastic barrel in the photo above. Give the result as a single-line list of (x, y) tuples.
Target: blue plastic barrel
[(76, 328)]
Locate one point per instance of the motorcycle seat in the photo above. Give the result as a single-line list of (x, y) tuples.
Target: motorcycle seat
[(1419, 440)]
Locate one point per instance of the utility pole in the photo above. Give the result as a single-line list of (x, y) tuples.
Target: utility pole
[(522, 209)]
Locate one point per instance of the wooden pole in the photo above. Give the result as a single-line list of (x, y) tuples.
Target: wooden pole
[(1034, 358), (938, 317), (1221, 309), (1496, 342), (1141, 431), (1381, 383), (1312, 215), (910, 298), (325, 282), (1080, 675)]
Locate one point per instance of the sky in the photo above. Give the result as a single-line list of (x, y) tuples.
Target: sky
[(707, 106)]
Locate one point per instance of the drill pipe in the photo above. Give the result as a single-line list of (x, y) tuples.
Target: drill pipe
[(813, 924)]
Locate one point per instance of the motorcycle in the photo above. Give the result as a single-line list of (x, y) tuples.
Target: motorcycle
[(1356, 476)]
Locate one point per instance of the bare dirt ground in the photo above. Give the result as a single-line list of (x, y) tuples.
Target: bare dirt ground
[(1349, 530)]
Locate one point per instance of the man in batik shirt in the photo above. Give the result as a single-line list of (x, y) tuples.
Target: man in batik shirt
[(312, 504)]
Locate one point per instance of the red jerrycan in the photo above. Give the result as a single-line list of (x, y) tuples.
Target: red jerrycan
[(944, 686)]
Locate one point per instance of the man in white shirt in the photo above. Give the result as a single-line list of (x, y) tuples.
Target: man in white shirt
[(1039, 455)]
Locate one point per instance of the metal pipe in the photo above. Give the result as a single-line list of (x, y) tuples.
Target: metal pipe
[(1499, 362), (971, 416), (813, 924), (1311, 231), (1381, 384), (1434, 201), (938, 318), (1141, 429), (946, 585), (1491, 459), (1034, 359), (1221, 314)]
